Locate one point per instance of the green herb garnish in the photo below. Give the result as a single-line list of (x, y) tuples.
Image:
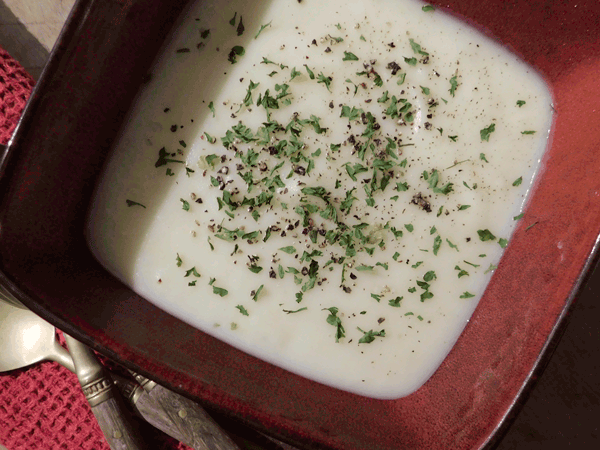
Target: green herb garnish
[(348, 56), (325, 80), (485, 132), (333, 319), (220, 291), (254, 294), (486, 235), (165, 157), (417, 48), (369, 336), (411, 62), (234, 53), (287, 311), (395, 302), (131, 203), (453, 86), (242, 310), (262, 27), (192, 271)]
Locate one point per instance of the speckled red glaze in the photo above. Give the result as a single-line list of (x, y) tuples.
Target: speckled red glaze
[(59, 146)]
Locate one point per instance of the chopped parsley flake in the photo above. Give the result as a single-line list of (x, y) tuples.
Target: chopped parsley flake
[(531, 226), (254, 294), (240, 28), (453, 86), (333, 319), (234, 53), (491, 268), (220, 291), (287, 311), (437, 243), (461, 272), (395, 302), (417, 49), (369, 336), (325, 80), (311, 74), (192, 271), (262, 27), (455, 247), (485, 132), (164, 158), (486, 235), (131, 203), (242, 310), (411, 62)]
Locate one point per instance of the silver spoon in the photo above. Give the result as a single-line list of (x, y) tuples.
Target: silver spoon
[(26, 339), (171, 413)]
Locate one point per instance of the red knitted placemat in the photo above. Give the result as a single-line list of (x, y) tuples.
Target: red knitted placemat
[(15, 87), (43, 407)]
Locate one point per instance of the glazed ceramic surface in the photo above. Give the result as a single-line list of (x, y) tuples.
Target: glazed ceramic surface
[(48, 173)]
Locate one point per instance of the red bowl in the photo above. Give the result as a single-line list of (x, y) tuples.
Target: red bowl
[(47, 177)]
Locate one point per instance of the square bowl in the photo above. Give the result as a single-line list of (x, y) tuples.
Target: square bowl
[(47, 177)]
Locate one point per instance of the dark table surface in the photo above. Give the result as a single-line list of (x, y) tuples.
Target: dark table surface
[(563, 410)]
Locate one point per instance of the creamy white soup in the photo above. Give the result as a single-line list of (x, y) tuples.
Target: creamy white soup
[(328, 186)]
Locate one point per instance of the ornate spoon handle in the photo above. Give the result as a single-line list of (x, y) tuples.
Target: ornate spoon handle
[(118, 426), (194, 426)]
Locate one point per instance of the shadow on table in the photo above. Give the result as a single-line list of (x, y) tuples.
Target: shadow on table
[(20, 43)]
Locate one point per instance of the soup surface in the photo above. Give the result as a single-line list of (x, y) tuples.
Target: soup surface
[(328, 186)]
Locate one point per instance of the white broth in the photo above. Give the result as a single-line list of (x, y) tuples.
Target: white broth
[(325, 185)]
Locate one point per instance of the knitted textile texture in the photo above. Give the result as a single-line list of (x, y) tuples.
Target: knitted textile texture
[(42, 407), (15, 87)]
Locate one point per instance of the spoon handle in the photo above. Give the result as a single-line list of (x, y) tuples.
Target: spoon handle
[(194, 426), (118, 426)]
